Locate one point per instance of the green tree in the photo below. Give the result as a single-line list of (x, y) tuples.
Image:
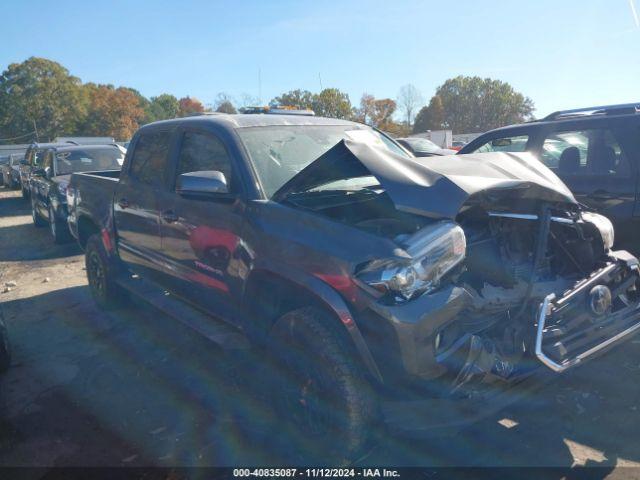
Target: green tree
[(163, 107), (226, 107), (302, 99), (224, 104), (113, 112), (41, 91), (430, 117), (333, 103), (474, 104)]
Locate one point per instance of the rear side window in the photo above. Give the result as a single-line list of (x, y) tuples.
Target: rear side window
[(204, 152), (149, 159), (585, 152), (516, 143)]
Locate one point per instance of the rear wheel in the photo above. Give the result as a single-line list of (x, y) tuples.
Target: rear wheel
[(59, 230), (324, 404), (25, 192), (101, 274)]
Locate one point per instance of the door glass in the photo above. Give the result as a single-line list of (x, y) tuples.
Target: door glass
[(585, 152), (204, 152), (150, 158), (505, 144)]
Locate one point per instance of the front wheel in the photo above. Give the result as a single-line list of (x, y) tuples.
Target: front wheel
[(101, 274), (59, 230), (324, 404), (35, 216)]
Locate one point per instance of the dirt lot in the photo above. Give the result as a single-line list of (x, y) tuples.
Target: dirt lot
[(128, 387)]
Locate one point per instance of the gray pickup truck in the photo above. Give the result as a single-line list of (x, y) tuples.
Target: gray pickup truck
[(382, 289)]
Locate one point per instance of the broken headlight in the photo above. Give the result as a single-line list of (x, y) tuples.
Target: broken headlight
[(604, 226), (432, 252)]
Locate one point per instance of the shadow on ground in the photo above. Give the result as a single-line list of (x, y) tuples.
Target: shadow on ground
[(127, 387)]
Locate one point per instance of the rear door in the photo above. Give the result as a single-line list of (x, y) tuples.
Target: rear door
[(135, 202), (598, 162), (201, 236)]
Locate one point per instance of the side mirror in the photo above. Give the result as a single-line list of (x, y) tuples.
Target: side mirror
[(202, 183)]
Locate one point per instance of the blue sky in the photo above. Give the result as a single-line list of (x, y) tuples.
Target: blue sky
[(561, 53)]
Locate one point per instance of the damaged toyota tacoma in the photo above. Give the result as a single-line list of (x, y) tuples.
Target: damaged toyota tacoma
[(381, 289)]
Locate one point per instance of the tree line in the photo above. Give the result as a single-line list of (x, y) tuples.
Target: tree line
[(40, 99)]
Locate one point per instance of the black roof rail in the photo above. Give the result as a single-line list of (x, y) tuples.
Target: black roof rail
[(620, 109)]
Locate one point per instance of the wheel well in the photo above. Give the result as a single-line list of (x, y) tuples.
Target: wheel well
[(269, 297), (86, 228)]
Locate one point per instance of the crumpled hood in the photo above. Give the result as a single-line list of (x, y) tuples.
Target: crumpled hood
[(435, 187)]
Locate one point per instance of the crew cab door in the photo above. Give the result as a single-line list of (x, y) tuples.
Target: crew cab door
[(599, 164), (40, 182), (135, 202), (201, 234)]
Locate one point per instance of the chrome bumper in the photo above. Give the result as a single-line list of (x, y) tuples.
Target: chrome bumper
[(573, 333)]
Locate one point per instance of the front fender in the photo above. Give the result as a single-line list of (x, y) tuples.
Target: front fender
[(331, 300)]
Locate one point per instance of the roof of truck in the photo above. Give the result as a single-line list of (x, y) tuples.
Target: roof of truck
[(253, 120)]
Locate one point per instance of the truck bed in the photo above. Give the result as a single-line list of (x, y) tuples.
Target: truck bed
[(90, 198)]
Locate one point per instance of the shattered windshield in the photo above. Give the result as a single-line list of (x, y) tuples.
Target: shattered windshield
[(279, 152)]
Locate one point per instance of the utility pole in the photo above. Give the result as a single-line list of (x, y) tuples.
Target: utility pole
[(320, 78), (259, 86), (35, 129)]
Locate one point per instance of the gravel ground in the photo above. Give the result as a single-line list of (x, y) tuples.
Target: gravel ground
[(131, 388)]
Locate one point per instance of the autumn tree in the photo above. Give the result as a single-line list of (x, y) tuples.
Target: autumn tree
[(113, 112), (364, 114), (430, 117), (189, 106), (39, 92), (474, 104), (409, 101), (302, 99)]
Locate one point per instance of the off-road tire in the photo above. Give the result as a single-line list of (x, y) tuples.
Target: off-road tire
[(38, 221), (101, 274), (59, 230), (310, 354)]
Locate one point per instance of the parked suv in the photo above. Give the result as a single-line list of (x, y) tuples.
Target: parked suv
[(596, 153), (11, 170), (49, 182), (376, 286)]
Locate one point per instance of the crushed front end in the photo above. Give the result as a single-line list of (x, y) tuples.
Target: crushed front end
[(539, 291)]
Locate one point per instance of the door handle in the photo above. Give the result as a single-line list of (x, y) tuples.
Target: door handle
[(169, 216), (123, 203)]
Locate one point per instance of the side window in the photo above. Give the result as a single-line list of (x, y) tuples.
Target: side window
[(203, 152), (150, 158), (506, 144), (585, 152)]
